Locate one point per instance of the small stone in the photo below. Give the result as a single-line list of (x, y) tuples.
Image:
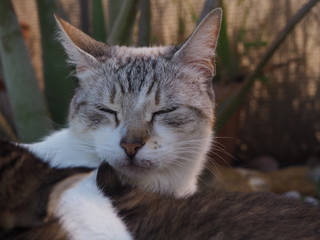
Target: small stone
[(292, 194), (312, 200)]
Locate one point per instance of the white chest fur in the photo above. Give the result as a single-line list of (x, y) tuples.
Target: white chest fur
[(86, 214)]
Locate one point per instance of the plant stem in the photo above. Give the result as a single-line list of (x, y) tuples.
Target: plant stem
[(114, 9), (98, 21), (208, 6), (121, 29), (144, 23)]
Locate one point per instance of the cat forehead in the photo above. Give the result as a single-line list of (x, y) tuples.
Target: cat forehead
[(145, 71), (132, 63), (133, 69)]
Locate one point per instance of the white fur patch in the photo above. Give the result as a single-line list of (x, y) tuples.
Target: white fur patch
[(87, 215), (63, 149)]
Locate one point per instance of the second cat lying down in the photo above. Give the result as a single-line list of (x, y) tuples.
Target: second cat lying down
[(209, 214), (29, 191)]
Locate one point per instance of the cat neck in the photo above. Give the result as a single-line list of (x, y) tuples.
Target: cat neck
[(179, 186), (64, 149)]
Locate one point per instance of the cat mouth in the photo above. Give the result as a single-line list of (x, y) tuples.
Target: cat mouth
[(134, 166)]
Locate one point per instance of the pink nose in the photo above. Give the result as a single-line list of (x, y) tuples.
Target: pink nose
[(131, 148)]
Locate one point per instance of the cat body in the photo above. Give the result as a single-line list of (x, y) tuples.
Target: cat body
[(29, 188), (85, 213), (51, 229), (46, 204), (209, 214)]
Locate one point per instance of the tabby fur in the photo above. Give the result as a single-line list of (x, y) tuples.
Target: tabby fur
[(209, 214), (27, 188)]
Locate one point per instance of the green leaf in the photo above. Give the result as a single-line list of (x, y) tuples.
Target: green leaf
[(98, 22), (114, 9), (256, 44), (262, 78), (58, 83), (144, 23), (121, 29), (27, 103)]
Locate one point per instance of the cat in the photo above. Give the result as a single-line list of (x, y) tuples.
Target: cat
[(29, 188), (209, 214), (148, 112)]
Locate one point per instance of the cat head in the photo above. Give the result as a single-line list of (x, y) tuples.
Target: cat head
[(147, 111)]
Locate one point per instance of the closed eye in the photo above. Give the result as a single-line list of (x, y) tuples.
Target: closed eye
[(163, 111), (107, 110)]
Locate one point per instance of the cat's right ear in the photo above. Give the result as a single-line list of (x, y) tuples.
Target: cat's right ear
[(83, 51), (198, 52)]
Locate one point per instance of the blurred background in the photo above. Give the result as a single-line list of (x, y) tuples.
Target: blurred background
[(268, 68)]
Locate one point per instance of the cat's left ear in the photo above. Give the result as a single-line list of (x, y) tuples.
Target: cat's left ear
[(83, 51), (198, 52)]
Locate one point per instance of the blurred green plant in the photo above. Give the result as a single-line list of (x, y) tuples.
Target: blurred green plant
[(98, 21), (27, 103), (233, 102)]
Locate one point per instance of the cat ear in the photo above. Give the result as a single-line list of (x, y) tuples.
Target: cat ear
[(198, 51), (83, 51)]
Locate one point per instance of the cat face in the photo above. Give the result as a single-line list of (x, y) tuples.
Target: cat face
[(145, 110)]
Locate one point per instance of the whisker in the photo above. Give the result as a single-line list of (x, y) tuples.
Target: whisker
[(214, 174), (178, 164), (216, 154), (218, 137), (219, 145), (225, 152)]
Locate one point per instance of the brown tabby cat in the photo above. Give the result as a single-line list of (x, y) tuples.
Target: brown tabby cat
[(28, 189), (209, 214)]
